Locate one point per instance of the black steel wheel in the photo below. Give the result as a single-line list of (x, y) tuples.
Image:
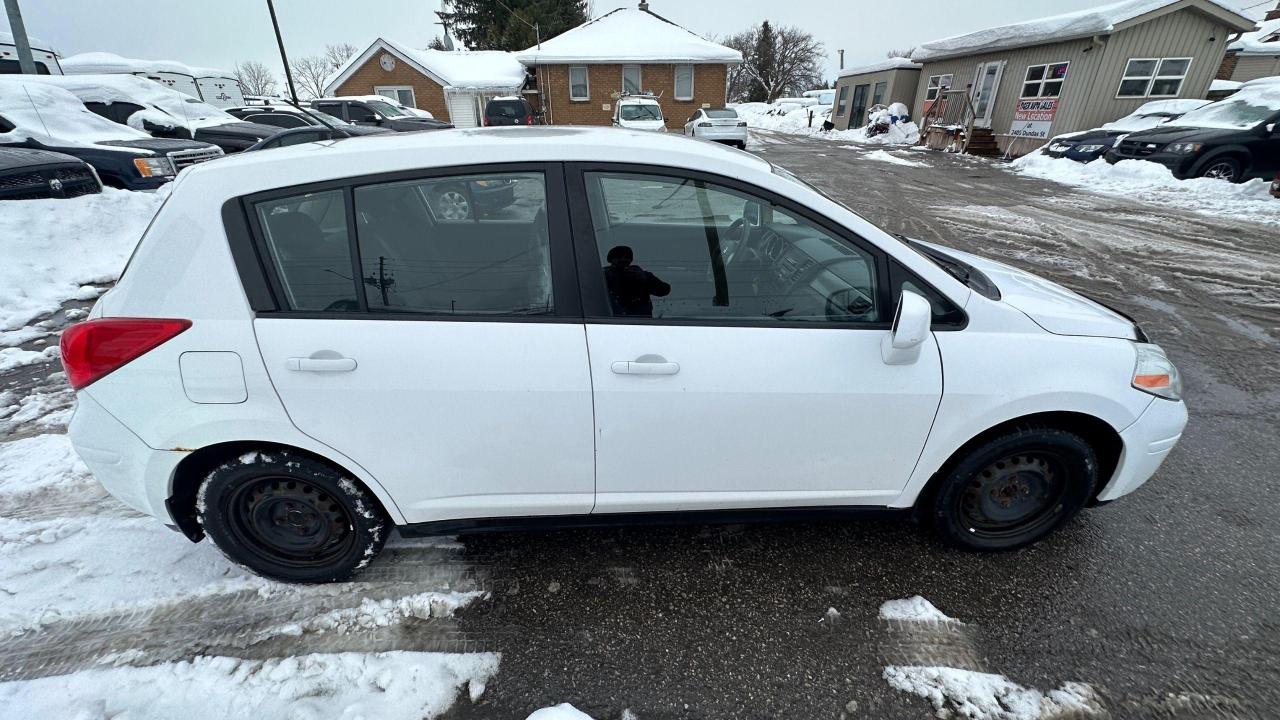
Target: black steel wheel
[(291, 517), (1015, 489)]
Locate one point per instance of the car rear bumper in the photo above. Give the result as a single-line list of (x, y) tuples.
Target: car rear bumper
[(1147, 442), (721, 134), (132, 472)]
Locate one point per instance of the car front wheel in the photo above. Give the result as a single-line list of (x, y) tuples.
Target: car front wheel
[(1014, 489), (291, 517), (1226, 168)]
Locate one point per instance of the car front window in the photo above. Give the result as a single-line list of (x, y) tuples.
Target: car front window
[(641, 112)]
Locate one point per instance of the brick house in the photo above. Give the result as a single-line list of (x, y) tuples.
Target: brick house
[(581, 72), (451, 85)]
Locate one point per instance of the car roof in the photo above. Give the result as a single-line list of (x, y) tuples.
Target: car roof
[(633, 100), (246, 173)]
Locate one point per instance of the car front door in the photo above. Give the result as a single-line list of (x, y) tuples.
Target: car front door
[(455, 371), (1264, 150), (735, 348)]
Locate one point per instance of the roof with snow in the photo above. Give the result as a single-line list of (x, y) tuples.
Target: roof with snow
[(897, 63), (6, 38), (96, 63), (628, 35), (1263, 41), (459, 69), (1102, 20)]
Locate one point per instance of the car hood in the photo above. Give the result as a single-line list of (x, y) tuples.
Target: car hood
[(1166, 134), (238, 130), (1050, 305), (1090, 137)]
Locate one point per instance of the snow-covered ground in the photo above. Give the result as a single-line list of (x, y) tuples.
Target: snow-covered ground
[(796, 122), (1152, 183)]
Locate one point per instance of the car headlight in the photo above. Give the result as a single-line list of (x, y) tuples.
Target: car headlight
[(154, 167), (1154, 373), (1184, 148), (1089, 148)]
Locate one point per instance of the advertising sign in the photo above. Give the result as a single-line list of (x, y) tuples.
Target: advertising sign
[(1034, 118)]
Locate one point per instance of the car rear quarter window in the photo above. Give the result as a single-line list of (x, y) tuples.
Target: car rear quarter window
[(459, 245), (306, 236)]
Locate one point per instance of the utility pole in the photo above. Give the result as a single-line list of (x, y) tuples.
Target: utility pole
[(841, 58), (25, 62), (288, 74)]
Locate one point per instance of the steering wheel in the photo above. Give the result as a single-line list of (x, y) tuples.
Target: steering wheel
[(740, 233), (841, 303)]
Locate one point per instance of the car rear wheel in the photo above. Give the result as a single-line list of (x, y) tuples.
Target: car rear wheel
[(452, 203), (290, 517), (1226, 168), (1014, 489)]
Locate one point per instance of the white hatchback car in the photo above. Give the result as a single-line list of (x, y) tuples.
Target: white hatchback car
[(718, 124), (302, 354)]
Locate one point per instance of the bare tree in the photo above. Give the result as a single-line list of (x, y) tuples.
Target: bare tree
[(739, 79), (255, 78), (789, 64), (899, 53), (338, 53), (310, 73)]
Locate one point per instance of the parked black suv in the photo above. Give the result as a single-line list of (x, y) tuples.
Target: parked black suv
[(376, 113), (1235, 139), (509, 111), (43, 117), (32, 174)]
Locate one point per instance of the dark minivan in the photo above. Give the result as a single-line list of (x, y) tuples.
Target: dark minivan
[(1235, 139), (509, 111)]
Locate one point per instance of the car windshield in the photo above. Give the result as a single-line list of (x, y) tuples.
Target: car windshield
[(641, 112), (956, 268), (722, 114), (325, 117), (505, 109), (386, 109), (1241, 111)]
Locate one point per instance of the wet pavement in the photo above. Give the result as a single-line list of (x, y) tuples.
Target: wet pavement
[(1164, 602)]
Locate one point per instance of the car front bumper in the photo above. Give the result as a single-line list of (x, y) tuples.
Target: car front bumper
[(1147, 442), (1182, 166), (135, 474)]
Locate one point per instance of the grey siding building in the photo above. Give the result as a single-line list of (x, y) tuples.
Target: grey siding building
[(1031, 81), (859, 89), (1256, 54)]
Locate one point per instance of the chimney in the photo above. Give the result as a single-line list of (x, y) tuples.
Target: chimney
[(644, 6), (1271, 14)]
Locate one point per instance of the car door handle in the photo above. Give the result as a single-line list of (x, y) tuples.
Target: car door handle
[(320, 365), (634, 367)]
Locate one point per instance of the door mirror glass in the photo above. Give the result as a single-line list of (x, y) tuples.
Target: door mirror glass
[(911, 325)]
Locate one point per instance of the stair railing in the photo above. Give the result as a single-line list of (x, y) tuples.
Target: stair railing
[(952, 110)]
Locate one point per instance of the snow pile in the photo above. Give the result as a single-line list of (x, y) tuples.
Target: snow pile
[(1081, 23), (380, 613), (39, 462), (387, 686), (54, 117), (884, 156), (913, 609), (896, 63), (984, 696), (626, 35), (52, 248), (1154, 184), (563, 711)]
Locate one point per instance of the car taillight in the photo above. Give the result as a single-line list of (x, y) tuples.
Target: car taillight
[(528, 119), (95, 348), (485, 121)]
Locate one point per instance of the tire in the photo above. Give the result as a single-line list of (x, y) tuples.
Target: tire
[(1014, 489), (292, 518), (1222, 168), (452, 203)]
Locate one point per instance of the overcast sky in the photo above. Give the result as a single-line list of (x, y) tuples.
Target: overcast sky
[(217, 34)]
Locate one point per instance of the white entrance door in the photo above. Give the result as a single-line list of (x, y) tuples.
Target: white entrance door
[(985, 86)]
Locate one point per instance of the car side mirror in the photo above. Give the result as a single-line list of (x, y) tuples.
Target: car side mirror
[(911, 324), (1271, 128)]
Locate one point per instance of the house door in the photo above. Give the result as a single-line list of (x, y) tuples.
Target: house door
[(985, 86), (858, 116)]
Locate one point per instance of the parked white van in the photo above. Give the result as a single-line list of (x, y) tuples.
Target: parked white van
[(639, 112), (302, 355)]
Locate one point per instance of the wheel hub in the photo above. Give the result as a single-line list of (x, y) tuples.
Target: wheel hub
[(1010, 491), (292, 519)]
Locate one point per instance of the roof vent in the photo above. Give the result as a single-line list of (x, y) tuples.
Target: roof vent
[(644, 5)]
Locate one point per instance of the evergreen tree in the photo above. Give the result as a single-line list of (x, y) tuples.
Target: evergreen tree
[(487, 25), (764, 59)]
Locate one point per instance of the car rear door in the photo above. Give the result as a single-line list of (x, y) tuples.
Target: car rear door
[(735, 349), (455, 371)]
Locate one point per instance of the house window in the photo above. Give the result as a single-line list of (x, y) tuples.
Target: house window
[(1044, 80), (579, 87), (842, 102), (402, 94), (938, 84), (684, 82), (631, 79), (1153, 77), (877, 97)]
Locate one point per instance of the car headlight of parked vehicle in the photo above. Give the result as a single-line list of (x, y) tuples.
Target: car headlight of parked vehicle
[(1184, 148), (1089, 148), (155, 167), (1154, 373)]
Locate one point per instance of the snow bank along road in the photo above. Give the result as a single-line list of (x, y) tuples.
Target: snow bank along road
[(1156, 607)]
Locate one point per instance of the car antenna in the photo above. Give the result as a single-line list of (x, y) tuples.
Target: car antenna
[(317, 118)]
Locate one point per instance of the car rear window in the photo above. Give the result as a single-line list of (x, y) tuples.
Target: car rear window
[(505, 109), (722, 114)]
